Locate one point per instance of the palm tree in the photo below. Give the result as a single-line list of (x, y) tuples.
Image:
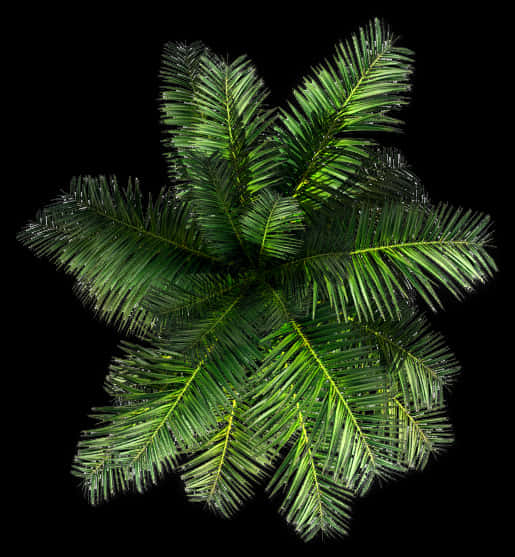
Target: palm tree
[(271, 291)]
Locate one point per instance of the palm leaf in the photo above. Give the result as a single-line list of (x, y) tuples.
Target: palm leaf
[(214, 199), (352, 93), (319, 364), (270, 224), (421, 363), (223, 473), (406, 248), (116, 248), (314, 503), (165, 405)]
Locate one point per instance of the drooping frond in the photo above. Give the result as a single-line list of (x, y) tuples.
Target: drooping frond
[(352, 93), (115, 247), (313, 503), (321, 365), (165, 405), (223, 474), (420, 362), (270, 225)]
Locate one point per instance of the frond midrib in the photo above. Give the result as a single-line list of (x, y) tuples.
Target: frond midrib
[(416, 425), (224, 450)]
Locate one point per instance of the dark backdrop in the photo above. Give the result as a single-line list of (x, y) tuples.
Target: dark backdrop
[(87, 86)]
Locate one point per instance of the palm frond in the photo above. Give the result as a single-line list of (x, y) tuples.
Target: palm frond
[(219, 107), (214, 199), (313, 503), (115, 247), (403, 249), (270, 224), (352, 93), (332, 374), (165, 405), (419, 360), (223, 474)]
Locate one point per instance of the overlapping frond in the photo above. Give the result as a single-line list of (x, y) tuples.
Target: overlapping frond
[(189, 296), (115, 246), (226, 469), (352, 93), (214, 198), (381, 257), (165, 404), (336, 380), (270, 225), (313, 503), (421, 364), (228, 330)]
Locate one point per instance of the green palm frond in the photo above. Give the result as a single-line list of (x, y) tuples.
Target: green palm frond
[(401, 248), (165, 404), (319, 364), (223, 474), (382, 256), (270, 225), (274, 289), (421, 363), (353, 92), (314, 503), (214, 200), (220, 108), (115, 246)]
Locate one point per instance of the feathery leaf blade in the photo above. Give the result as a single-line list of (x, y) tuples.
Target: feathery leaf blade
[(224, 472), (352, 93), (115, 248)]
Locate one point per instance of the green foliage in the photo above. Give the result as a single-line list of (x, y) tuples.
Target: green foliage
[(272, 292)]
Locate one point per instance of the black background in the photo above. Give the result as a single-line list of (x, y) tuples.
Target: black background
[(86, 93)]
